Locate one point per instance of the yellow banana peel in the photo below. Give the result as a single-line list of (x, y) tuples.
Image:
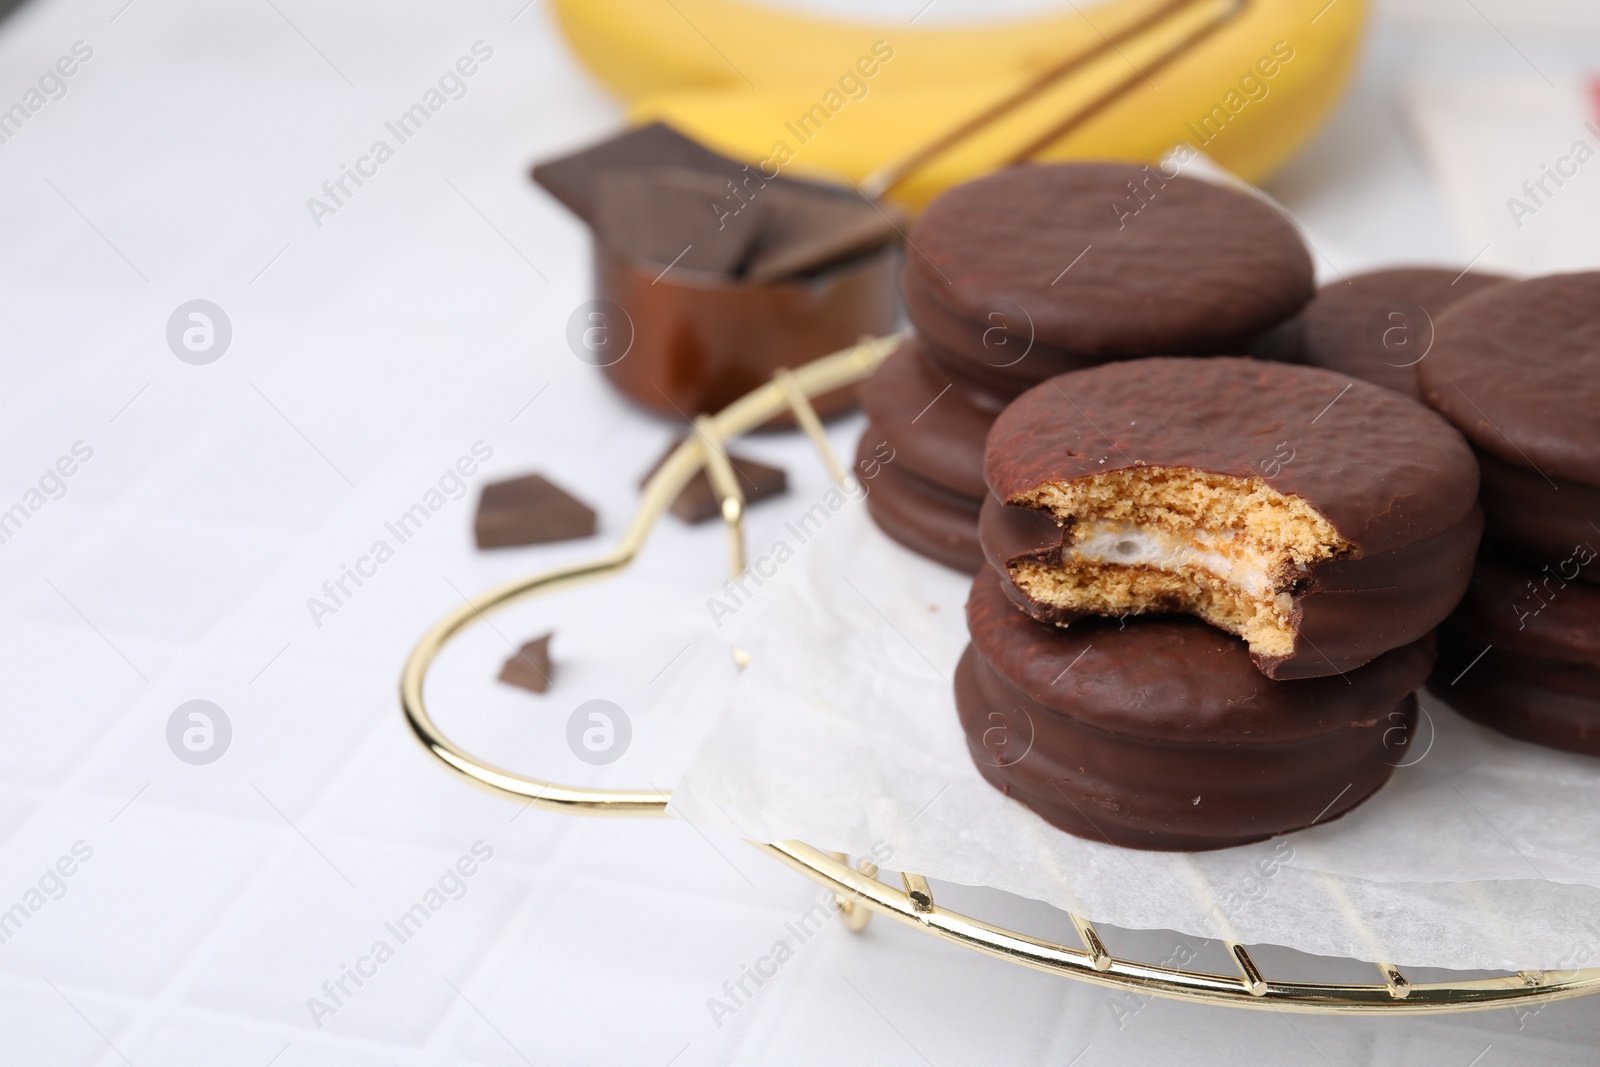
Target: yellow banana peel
[(642, 47), (809, 96)]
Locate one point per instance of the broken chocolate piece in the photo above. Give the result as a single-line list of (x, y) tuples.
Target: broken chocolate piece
[(699, 501), (806, 230), (530, 668), (531, 510), (685, 219), (573, 179), (803, 226)]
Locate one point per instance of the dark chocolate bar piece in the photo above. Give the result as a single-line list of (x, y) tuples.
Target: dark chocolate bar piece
[(797, 227), (687, 219), (806, 231), (531, 510), (699, 501), (573, 179), (529, 668)]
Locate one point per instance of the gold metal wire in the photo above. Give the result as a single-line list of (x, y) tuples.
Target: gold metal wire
[(859, 889)]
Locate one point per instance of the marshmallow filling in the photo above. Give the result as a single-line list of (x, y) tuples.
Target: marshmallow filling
[(1232, 551)]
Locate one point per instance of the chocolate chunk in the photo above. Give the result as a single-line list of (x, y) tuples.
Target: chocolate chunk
[(530, 668), (699, 501), (807, 230), (684, 218), (531, 510), (574, 179), (803, 226), (1324, 519), (1158, 732)]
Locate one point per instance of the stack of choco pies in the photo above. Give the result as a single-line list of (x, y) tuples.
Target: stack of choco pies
[(1211, 593), (1046, 268), (1516, 367)]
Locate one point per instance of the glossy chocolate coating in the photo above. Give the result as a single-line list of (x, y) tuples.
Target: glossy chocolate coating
[(987, 389), (1541, 520), (1382, 468), (992, 391), (1516, 368), (1112, 730), (930, 521), (1380, 326), (1539, 612), (937, 431), (1169, 265), (1547, 702)]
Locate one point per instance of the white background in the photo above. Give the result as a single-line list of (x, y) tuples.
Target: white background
[(367, 356)]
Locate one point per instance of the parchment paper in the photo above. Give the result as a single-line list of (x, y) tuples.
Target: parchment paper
[(1481, 852)]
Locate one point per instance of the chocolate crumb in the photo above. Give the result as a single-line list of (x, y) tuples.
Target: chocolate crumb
[(530, 668), (531, 510)]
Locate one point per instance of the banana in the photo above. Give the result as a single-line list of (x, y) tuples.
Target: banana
[(793, 94), (638, 48)]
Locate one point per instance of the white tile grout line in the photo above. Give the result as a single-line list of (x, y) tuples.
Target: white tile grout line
[(290, 851), (77, 786), (532, 913), (254, 885), (256, 888)]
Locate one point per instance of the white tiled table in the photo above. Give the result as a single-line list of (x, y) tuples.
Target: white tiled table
[(367, 355)]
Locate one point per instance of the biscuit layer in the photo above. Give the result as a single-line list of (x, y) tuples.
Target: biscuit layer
[(1232, 551)]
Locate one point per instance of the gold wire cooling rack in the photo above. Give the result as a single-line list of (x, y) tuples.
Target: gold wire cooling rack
[(858, 889)]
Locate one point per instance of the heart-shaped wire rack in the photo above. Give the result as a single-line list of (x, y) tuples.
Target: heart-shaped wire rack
[(857, 888)]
